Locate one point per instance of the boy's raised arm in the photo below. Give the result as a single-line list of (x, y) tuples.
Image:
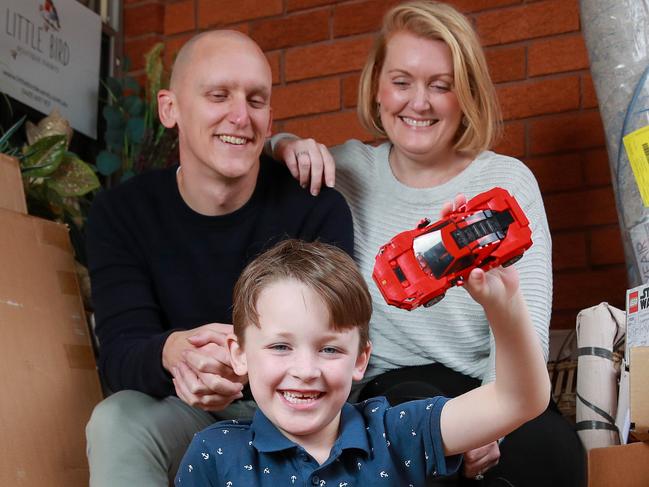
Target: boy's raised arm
[(521, 390)]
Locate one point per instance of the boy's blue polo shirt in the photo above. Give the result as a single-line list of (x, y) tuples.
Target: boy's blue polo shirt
[(378, 445)]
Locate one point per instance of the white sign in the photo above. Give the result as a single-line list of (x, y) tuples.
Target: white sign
[(49, 58)]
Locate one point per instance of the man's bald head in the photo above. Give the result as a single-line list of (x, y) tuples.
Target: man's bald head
[(225, 39), (219, 100)]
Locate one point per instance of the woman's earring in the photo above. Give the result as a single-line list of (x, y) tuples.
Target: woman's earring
[(465, 121)]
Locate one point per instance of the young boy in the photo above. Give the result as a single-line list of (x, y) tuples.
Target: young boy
[(301, 313)]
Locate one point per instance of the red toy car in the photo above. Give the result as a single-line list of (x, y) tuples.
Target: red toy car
[(417, 266)]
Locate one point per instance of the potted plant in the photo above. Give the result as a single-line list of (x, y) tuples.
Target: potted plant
[(136, 141)]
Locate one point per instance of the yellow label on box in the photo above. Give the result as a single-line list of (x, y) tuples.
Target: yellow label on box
[(637, 149)]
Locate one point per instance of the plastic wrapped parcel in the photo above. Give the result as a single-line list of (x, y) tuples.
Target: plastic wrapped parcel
[(617, 38)]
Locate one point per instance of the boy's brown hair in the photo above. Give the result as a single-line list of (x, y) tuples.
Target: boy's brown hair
[(326, 269)]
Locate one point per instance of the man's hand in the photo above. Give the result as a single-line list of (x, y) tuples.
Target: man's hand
[(192, 389), (180, 341), (479, 460), (308, 161), (200, 365)]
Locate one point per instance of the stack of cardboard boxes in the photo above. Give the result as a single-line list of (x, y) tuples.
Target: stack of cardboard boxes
[(627, 465), (49, 379), (637, 360)]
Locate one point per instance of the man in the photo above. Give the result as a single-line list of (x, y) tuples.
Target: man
[(165, 249)]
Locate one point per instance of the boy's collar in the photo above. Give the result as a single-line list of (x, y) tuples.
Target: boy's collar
[(267, 438)]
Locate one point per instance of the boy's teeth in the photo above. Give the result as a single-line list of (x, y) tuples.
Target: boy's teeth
[(300, 398), (417, 123), (231, 139)]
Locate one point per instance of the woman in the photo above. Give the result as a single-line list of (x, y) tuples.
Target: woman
[(426, 87)]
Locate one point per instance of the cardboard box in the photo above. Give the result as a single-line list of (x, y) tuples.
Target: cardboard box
[(12, 194), (619, 466), (637, 360), (49, 379), (639, 393)]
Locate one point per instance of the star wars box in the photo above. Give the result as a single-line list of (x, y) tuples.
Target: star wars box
[(49, 379), (637, 360)]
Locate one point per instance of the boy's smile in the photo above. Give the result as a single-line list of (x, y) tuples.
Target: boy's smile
[(300, 369)]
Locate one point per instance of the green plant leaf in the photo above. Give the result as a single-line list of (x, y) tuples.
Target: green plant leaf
[(127, 175), (74, 177), (131, 83), (113, 116), (133, 105), (135, 129), (4, 140), (153, 68), (44, 157), (115, 139), (108, 163), (126, 65), (114, 87)]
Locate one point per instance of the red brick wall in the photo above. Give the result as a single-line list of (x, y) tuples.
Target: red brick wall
[(537, 58)]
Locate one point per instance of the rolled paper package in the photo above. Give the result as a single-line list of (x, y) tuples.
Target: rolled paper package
[(600, 334)]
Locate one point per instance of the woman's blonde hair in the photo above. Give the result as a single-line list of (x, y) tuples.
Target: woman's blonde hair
[(472, 85)]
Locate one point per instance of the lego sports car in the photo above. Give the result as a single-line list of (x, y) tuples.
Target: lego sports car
[(418, 266)]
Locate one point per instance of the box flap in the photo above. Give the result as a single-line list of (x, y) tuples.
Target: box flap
[(12, 194), (624, 465), (639, 393)]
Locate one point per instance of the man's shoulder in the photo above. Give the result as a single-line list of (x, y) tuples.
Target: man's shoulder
[(277, 176), (139, 186)]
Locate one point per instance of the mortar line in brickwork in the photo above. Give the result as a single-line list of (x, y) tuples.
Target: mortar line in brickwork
[(196, 17)]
